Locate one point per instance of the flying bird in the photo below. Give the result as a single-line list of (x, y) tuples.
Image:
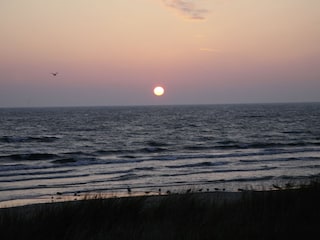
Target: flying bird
[(54, 74)]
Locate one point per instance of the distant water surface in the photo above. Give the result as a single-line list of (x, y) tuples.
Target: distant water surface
[(106, 149)]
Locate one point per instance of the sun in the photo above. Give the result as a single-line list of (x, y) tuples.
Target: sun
[(158, 91)]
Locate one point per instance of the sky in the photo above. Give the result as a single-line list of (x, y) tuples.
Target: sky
[(114, 52)]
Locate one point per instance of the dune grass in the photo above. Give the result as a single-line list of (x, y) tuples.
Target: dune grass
[(285, 214)]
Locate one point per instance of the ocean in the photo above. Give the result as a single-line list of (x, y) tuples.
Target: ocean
[(83, 150)]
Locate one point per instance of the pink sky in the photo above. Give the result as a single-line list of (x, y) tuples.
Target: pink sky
[(202, 52)]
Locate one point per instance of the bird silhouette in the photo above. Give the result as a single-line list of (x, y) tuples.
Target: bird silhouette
[(54, 74)]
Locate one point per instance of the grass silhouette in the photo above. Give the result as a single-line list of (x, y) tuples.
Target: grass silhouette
[(283, 214)]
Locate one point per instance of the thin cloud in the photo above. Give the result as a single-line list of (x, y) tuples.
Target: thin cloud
[(187, 8)]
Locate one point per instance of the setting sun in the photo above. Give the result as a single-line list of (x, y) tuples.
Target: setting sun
[(158, 91)]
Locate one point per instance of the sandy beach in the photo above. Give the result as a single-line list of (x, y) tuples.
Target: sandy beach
[(217, 196)]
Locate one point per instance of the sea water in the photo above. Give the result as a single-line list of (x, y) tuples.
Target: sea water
[(151, 148)]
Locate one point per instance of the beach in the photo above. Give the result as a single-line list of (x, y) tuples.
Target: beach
[(59, 197), (282, 214)]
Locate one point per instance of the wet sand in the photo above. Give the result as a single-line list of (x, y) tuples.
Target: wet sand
[(217, 196)]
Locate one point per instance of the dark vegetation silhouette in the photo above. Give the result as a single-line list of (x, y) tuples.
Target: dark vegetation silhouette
[(281, 214)]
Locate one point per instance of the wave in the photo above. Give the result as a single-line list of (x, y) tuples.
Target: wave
[(125, 177), (290, 159), (309, 166), (30, 156), (201, 164), (250, 179), (31, 173), (299, 177), (144, 168), (232, 155), (157, 144), (152, 149), (211, 171), (158, 154), (46, 178), (17, 139), (198, 147), (64, 161), (130, 153), (21, 167), (262, 145)]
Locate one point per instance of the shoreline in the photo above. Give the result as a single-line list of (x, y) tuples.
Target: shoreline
[(218, 196)]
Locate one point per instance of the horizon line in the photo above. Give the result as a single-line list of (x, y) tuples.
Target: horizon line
[(162, 105)]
